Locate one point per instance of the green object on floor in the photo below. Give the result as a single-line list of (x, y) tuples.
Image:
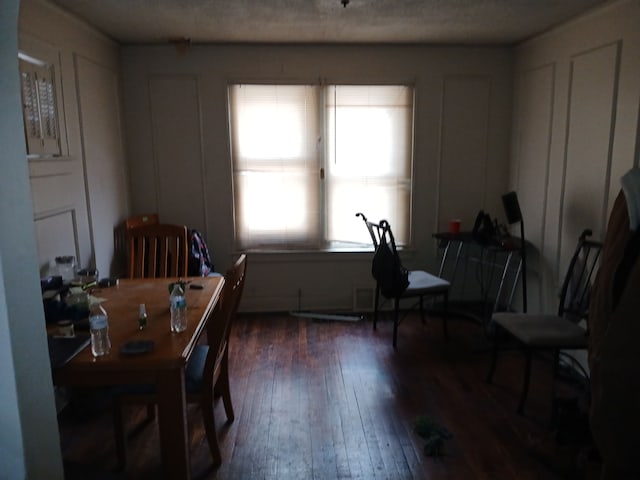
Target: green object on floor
[(434, 434), (434, 446)]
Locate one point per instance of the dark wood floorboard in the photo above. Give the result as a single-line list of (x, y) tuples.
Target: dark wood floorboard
[(333, 400)]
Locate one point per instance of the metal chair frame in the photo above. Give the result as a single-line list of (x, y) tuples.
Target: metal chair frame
[(421, 283), (554, 333)]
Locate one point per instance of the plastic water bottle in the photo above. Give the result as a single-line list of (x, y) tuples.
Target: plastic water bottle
[(178, 304), (99, 328)]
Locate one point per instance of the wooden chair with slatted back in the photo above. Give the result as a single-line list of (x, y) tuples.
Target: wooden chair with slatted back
[(141, 221), (120, 239), (158, 251), (206, 373)]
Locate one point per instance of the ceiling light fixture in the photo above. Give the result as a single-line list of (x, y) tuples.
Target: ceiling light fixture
[(344, 3)]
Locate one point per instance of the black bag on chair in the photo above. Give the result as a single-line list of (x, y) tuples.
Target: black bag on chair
[(386, 268)]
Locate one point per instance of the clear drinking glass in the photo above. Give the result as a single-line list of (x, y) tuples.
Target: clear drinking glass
[(66, 267)]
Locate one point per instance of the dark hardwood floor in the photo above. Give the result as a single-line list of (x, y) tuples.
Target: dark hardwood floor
[(333, 400)]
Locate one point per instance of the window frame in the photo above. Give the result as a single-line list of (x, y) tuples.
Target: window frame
[(322, 242)]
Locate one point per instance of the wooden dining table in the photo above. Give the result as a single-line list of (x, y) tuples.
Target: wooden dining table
[(164, 366)]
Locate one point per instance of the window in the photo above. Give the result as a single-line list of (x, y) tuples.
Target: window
[(307, 158), (39, 107)]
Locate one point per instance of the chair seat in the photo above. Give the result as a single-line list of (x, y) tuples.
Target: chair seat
[(193, 376), (421, 282), (549, 331), (194, 373)]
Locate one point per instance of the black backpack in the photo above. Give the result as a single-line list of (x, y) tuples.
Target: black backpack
[(386, 268)]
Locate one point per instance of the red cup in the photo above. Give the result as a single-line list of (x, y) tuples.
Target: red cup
[(454, 226)]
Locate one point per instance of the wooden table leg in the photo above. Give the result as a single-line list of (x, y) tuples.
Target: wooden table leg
[(172, 419)]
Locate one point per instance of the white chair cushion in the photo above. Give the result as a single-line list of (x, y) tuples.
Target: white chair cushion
[(543, 330), (421, 282)]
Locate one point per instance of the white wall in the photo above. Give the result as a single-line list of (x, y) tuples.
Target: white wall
[(43, 209), (575, 129), (574, 125), (178, 148), (577, 94), (80, 196), (29, 442)]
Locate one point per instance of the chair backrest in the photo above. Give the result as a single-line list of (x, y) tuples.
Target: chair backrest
[(120, 239), (386, 267), (219, 325), (141, 220), (375, 230), (576, 287), (380, 231), (158, 251)]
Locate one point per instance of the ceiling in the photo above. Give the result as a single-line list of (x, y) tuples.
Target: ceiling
[(326, 21)]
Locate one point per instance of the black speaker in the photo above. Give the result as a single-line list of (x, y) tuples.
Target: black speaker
[(512, 207)]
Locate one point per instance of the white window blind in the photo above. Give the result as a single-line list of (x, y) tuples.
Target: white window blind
[(298, 181), (369, 147), (276, 165)]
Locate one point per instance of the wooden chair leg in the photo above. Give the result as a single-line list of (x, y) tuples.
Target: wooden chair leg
[(210, 429), (525, 386), (494, 361), (556, 368), (223, 380), (120, 434), (151, 412), (396, 319)]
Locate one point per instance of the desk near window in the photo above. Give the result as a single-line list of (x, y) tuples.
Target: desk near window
[(163, 366), (497, 266)]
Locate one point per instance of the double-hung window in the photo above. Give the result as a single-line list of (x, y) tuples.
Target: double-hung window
[(307, 158)]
